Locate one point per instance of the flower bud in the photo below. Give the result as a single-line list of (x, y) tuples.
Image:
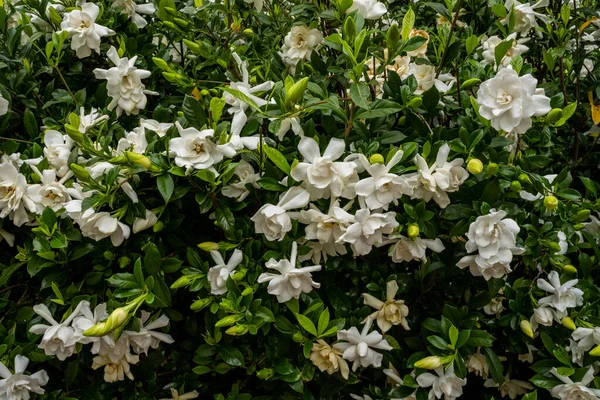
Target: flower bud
[(578, 227), (376, 159), (248, 31), (181, 22), (413, 231), (553, 116), (115, 320), (237, 330), (123, 262), (583, 215), (595, 351), (229, 320), (200, 304), (475, 166), (97, 330), (402, 120), (162, 64), (192, 46), (569, 269), (265, 373), (171, 26), (204, 92), (415, 103), (431, 362), (524, 178), (492, 168), (80, 173), (297, 90), (109, 255), (171, 10), (470, 83), (239, 275), (550, 203), (181, 282), (554, 246), (138, 159), (158, 227), (247, 292), (526, 328), (568, 323), (209, 246), (298, 337), (515, 186)]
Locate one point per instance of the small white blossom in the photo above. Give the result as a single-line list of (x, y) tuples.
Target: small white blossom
[(545, 316), (195, 149), (17, 386), (358, 346), (586, 338), (421, 50), (286, 124), (570, 390), (85, 34), (4, 105), (325, 228), (494, 307), (291, 281), (57, 149), (489, 50), (13, 195), (563, 296), (184, 396), (147, 337), (510, 387), (369, 9), (368, 230), (238, 190), (116, 371), (406, 249), (446, 383), (328, 358), (220, 273), (161, 128), (134, 142), (298, 45), (140, 224), (477, 364), (133, 10), (525, 15), (88, 121), (273, 221), (97, 225), (50, 192)]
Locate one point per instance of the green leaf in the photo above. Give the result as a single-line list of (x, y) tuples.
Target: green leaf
[(440, 9), (216, 108), (225, 218), (323, 321), (307, 324), (194, 112), (407, 23), (271, 184), (231, 356), (495, 365), (379, 108), (161, 291), (137, 272), (453, 333), (480, 339), (501, 50), (530, 396), (152, 259), (243, 97), (277, 158), (359, 93), (471, 43), (30, 123), (568, 112), (438, 342), (166, 186)]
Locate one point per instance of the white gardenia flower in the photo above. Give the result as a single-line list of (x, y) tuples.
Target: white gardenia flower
[(88, 121), (325, 228), (369, 9), (134, 142), (18, 385), (133, 10), (512, 388), (563, 296), (324, 177), (258, 4), (570, 390), (147, 337), (382, 187), (509, 101), (4, 104), (85, 34), (116, 371), (57, 149), (100, 345), (586, 68), (491, 233), (220, 273), (358, 346), (184, 396), (286, 124), (50, 192), (321, 251), (97, 225), (291, 281), (124, 84), (238, 107), (586, 338), (545, 316), (406, 249), (273, 221), (58, 339), (368, 230), (248, 176), (161, 128), (524, 15), (13, 195), (299, 44), (496, 266), (577, 354), (446, 383), (389, 313), (477, 364), (328, 358), (195, 149), (99, 169), (528, 357), (494, 307), (140, 224), (489, 50), (426, 78)]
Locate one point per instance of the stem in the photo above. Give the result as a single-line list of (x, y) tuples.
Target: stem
[(577, 83), (452, 26), (62, 78), (350, 121)]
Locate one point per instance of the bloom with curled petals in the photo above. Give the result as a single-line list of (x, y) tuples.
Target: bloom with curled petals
[(525, 16), (406, 249), (18, 385), (369, 9), (368, 230), (446, 383), (563, 296), (570, 390), (85, 34), (273, 221), (147, 337), (358, 346), (220, 273), (389, 313), (328, 358)]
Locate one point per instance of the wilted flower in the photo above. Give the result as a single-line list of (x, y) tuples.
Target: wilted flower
[(13, 195), (291, 281), (389, 313), (184, 396), (116, 371), (85, 34), (18, 385), (328, 358), (477, 364), (494, 307), (510, 387), (509, 101), (358, 346), (422, 50)]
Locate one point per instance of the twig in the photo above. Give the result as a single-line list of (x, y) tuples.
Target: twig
[(452, 26), (66, 84)]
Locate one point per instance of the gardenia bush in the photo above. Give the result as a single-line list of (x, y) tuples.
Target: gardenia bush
[(299, 199)]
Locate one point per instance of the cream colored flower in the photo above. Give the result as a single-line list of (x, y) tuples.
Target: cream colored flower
[(389, 313), (329, 359), (477, 364), (422, 50)]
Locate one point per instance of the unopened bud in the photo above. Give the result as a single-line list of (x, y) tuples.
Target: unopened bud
[(138, 159), (97, 330), (492, 168), (431, 362), (204, 92), (583, 215), (297, 90), (550, 202), (415, 103), (470, 83), (413, 231), (376, 159), (578, 227), (515, 186), (239, 275), (181, 282), (248, 291), (171, 10), (568, 323), (192, 46), (200, 304), (158, 226), (402, 120), (554, 246), (124, 261), (237, 330), (209, 246), (229, 320), (115, 320), (265, 373), (80, 173), (595, 351), (248, 31), (524, 178), (553, 116), (109, 255), (181, 22), (298, 337), (569, 269), (475, 166), (526, 328)]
